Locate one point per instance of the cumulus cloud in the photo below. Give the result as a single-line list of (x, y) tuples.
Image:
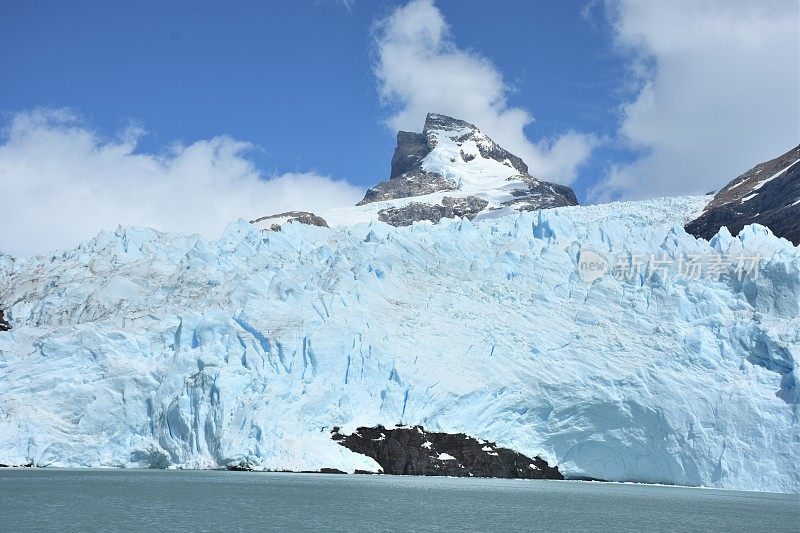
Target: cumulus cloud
[(420, 69), (61, 182), (717, 85)]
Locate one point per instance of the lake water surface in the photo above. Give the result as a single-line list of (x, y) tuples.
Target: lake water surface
[(146, 500)]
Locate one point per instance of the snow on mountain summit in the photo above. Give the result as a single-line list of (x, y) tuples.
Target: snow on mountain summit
[(146, 349), (454, 156)]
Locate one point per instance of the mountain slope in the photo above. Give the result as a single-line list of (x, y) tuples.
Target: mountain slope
[(767, 194), (146, 349), (451, 170)]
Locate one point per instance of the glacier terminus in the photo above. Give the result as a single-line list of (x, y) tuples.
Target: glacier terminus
[(147, 349)]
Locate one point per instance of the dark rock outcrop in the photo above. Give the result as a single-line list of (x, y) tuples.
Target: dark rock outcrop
[(414, 451), (4, 325), (767, 194), (538, 194), (467, 206), (413, 212), (411, 183), (407, 177), (303, 217), (331, 471), (244, 466), (29, 464), (410, 151)]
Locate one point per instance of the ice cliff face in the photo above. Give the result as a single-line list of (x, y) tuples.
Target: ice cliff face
[(145, 349)]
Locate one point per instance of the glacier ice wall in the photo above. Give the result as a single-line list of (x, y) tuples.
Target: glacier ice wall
[(140, 348)]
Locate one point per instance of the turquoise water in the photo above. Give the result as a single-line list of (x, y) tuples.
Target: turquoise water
[(145, 500)]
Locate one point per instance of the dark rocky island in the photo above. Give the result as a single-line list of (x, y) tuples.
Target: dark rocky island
[(416, 452)]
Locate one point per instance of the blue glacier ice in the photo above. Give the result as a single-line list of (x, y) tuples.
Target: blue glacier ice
[(145, 349)]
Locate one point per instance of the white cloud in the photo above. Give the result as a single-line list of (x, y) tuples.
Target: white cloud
[(420, 70), (718, 91), (60, 183)]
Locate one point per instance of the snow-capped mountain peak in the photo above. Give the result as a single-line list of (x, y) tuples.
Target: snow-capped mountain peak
[(455, 156), (446, 134)]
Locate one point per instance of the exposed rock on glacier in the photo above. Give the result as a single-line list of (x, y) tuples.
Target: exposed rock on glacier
[(273, 222), (538, 195), (468, 207), (416, 452), (140, 348), (4, 326)]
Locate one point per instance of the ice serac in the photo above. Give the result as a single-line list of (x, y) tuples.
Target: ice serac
[(767, 194), (454, 157), (145, 349)]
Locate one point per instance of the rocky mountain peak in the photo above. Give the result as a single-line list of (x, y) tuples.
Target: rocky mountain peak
[(460, 131), (454, 155), (435, 121)]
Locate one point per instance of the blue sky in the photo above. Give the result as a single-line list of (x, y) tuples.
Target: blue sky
[(311, 85), (294, 78)]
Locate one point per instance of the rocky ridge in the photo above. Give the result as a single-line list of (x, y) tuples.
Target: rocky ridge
[(767, 194)]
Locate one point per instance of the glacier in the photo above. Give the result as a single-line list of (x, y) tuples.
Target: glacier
[(145, 349)]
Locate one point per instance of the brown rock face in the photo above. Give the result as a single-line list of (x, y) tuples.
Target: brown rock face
[(767, 194)]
